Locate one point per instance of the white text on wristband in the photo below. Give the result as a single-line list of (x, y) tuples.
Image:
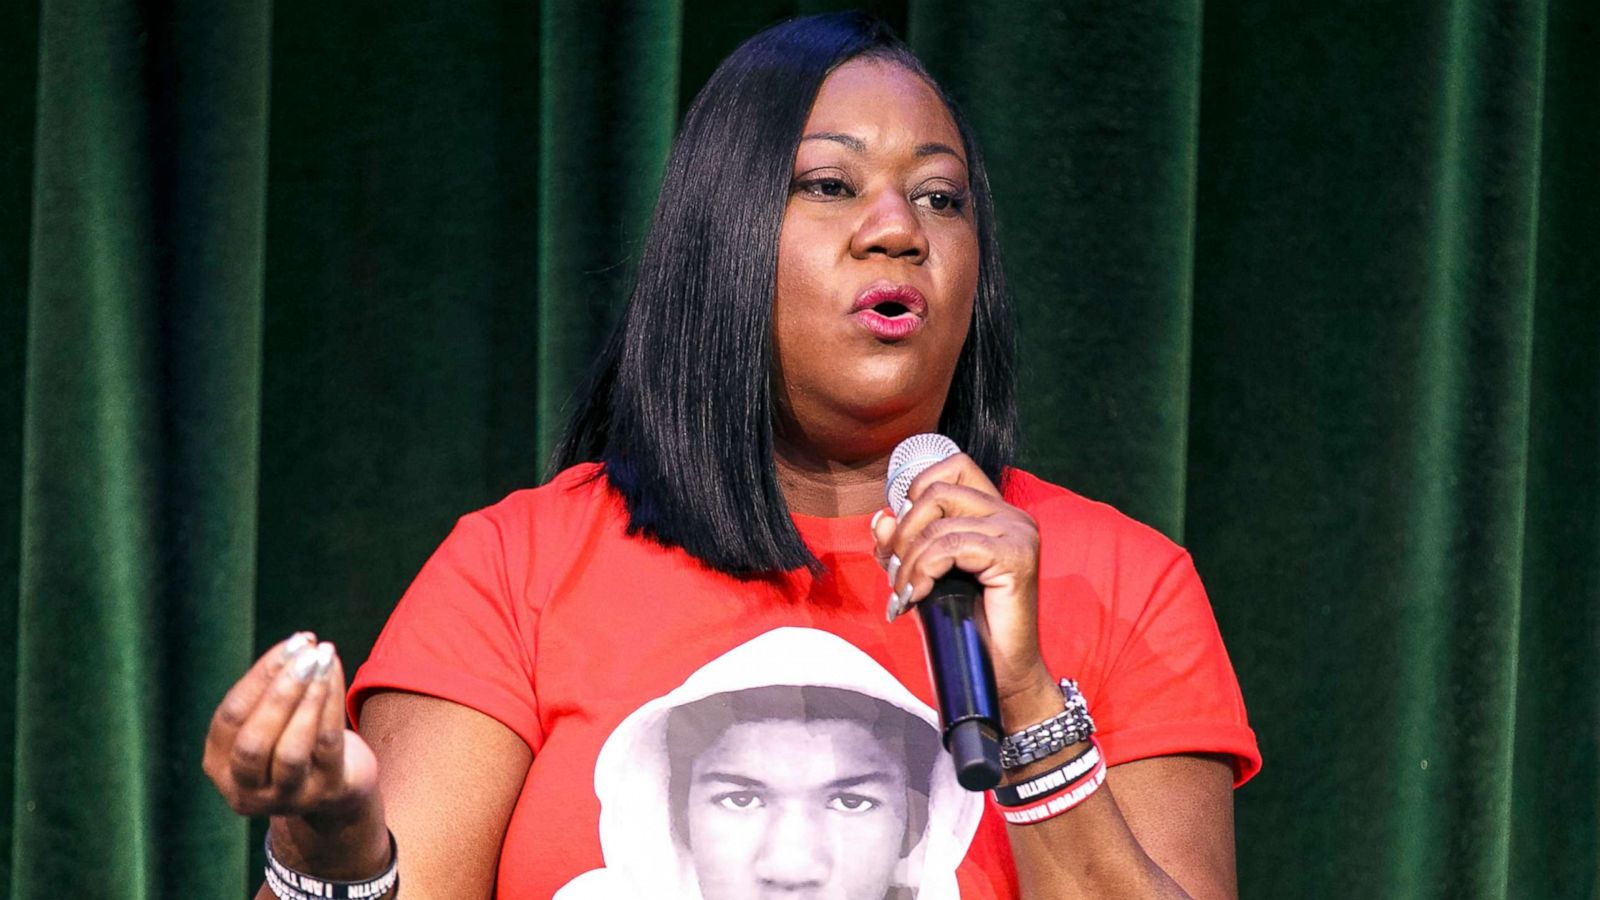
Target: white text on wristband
[(1058, 804)]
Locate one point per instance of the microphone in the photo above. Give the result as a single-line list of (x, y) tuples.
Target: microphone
[(958, 662)]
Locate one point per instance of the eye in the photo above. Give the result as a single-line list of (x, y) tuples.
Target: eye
[(944, 202), (824, 183), (738, 800), (824, 187), (852, 803)]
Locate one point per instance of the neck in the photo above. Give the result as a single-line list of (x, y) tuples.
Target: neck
[(814, 484)]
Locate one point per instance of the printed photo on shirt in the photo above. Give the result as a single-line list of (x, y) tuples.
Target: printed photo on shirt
[(792, 765)]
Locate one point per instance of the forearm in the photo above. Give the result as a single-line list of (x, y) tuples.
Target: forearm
[(1087, 851)]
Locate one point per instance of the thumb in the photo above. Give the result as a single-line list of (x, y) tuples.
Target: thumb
[(360, 765)]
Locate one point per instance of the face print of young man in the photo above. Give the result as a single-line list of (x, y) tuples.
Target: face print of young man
[(800, 792)]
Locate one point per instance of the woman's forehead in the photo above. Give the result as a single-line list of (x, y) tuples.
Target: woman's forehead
[(882, 104)]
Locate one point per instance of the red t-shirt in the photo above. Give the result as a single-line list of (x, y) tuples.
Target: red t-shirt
[(692, 732)]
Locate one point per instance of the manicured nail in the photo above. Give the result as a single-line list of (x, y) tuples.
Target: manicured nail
[(893, 608), (899, 602), (324, 659), (293, 644), (894, 568), (303, 663), (873, 525)]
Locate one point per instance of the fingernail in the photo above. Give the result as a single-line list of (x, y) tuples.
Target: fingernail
[(305, 660), (293, 644), (893, 568), (873, 525), (892, 609), (324, 659), (899, 602)]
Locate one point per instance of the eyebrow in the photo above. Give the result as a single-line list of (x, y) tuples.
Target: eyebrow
[(931, 148), (730, 778), (851, 141), (745, 781), (880, 778)]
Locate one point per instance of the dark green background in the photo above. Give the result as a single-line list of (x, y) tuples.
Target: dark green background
[(1311, 286)]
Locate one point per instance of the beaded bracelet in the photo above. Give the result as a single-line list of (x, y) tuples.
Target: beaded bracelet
[(1047, 784), (288, 884)]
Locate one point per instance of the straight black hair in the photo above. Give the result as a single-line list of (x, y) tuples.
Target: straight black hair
[(678, 407)]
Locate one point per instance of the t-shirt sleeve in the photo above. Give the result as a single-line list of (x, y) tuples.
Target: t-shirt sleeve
[(461, 633), (1170, 687)]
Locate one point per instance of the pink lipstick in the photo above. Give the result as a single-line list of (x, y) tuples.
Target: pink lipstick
[(890, 312)]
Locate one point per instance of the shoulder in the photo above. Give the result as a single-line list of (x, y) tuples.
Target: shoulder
[(1069, 518), (1122, 609), (546, 523), (574, 495)]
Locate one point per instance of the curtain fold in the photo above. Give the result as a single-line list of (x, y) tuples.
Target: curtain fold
[(1461, 509), (19, 31), (1309, 288), (607, 113), (141, 397), (1365, 331), (1088, 114), (1556, 744)]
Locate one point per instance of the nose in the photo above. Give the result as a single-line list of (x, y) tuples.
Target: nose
[(892, 228), (795, 853)]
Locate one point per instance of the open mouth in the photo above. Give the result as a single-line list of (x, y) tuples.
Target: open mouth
[(891, 300), (890, 312)]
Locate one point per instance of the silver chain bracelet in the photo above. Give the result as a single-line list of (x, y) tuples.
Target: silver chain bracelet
[(1051, 736)]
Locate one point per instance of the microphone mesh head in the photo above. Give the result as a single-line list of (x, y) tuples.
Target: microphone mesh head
[(908, 460)]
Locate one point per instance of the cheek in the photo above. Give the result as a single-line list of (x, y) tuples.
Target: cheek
[(883, 828), (882, 833), (960, 284), (869, 855), (960, 270), (723, 842), (803, 330), (801, 271)]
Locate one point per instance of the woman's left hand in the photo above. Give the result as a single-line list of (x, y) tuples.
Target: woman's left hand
[(958, 520)]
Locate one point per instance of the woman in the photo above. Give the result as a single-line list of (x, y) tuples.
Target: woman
[(821, 281)]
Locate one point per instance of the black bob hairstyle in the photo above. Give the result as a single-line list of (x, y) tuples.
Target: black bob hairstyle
[(679, 408)]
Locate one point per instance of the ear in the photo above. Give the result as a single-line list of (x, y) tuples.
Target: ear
[(908, 871)]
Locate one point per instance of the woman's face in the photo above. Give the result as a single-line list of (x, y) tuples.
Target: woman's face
[(877, 265)]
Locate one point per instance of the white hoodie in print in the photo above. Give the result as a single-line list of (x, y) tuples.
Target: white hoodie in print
[(794, 765)]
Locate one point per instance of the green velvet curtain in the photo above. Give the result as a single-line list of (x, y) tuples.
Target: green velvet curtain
[(285, 287)]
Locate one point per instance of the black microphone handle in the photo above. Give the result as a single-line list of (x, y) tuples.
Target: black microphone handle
[(963, 679)]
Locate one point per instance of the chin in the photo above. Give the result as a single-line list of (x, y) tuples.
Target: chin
[(879, 427), (891, 376), (878, 402)]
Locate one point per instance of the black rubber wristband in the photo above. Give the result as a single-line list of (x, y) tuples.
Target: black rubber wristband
[(291, 885), (1047, 783)]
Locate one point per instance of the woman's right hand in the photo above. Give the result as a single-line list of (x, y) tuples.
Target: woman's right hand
[(278, 746)]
